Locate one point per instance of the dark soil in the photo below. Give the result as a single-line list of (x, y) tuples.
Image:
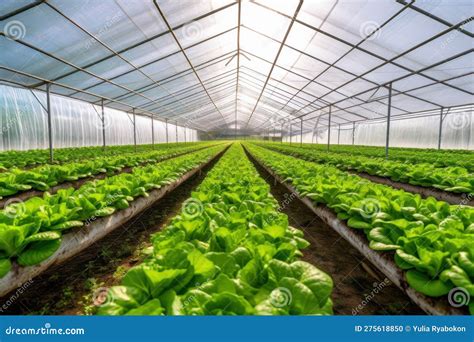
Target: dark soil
[(359, 288)]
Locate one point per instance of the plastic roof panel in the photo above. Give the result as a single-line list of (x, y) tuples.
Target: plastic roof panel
[(437, 50), (20, 57), (198, 30), (466, 82), (445, 10), (122, 24), (16, 78), (185, 60), (185, 11), (133, 80), (8, 6), (49, 31), (453, 68), (258, 44), (213, 48), (79, 79), (386, 73), (301, 63), (257, 18), (319, 45), (166, 67), (406, 25), (151, 51), (358, 62), (347, 19)]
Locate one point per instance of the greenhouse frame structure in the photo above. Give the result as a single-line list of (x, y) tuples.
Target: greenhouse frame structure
[(83, 77), (223, 71)]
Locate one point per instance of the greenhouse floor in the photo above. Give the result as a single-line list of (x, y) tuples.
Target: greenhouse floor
[(76, 287)]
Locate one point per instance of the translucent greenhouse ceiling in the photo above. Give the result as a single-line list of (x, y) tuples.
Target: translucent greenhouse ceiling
[(259, 65)]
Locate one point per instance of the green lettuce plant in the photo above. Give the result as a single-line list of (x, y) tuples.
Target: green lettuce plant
[(31, 231), (447, 178), (432, 240), (237, 256)]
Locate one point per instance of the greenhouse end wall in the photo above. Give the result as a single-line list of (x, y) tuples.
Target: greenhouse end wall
[(75, 123)]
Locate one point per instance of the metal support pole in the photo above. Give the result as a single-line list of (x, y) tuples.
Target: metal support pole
[(134, 130), (176, 130), (152, 133), (281, 134), (301, 132), (389, 111), (440, 127), (166, 122), (50, 126), (290, 132), (329, 128), (103, 123), (338, 134), (353, 132), (185, 135)]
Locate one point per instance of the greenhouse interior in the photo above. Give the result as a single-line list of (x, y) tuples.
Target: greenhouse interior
[(237, 157)]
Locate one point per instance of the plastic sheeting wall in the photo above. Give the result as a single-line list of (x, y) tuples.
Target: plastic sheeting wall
[(75, 123), (422, 132)]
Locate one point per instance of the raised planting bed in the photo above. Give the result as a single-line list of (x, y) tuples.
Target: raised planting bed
[(383, 261), (454, 185), (95, 228), (24, 195)]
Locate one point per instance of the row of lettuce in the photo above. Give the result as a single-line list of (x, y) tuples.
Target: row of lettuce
[(432, 241), (438, 158), (31, 231), (449, 178), (28, 158), (229, 252), (44, 177)]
